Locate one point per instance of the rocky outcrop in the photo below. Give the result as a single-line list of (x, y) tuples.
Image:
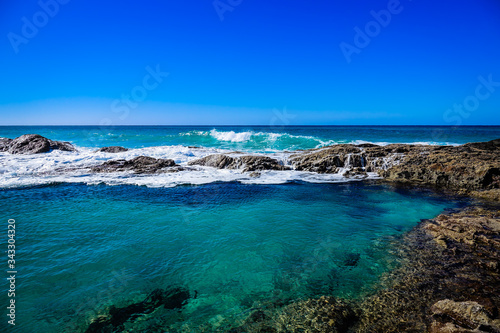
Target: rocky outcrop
[(33, 144), (355, 158), (139, 165), (466, 168), (462, 316), (111, 149), (449, 281), (174, 298), (218, 161), (246, 163), (473, 166), (4, 144)]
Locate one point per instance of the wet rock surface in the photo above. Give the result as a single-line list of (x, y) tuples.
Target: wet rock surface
[(139, 165), (33, 144), (111, 149), (247, 163), (473, 166), (4, 144)]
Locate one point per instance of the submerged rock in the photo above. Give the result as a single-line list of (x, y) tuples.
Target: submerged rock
[(326, 314), (140, 164), (111, 149), (174, 298), (33, 144)]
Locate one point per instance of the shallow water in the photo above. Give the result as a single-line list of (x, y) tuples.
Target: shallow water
[(81, 249)]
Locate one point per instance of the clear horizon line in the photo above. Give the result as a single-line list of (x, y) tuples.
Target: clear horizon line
[(255, 125)]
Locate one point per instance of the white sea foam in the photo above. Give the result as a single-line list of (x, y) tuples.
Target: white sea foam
[(231, 136), (266, 137), (74, 167)]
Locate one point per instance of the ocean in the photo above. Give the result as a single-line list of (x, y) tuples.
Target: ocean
[(86, 243)]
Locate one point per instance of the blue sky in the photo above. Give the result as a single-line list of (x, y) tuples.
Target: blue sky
[(342, 62)]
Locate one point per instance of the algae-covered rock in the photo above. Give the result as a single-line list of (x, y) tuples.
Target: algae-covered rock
[(467, 314), (326, 314)]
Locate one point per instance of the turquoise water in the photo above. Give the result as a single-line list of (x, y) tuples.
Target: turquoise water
[(83, 246), (235, 247)]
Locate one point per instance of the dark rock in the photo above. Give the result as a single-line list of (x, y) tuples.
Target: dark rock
[(29, 144), (367, 145), (111, 149), (259, 163), (4, 144), (140, 164), (471, 167), (174, 298), (247, 163), (490, 145), (35, 144), (61, 145), (218, 161), (465, 314), (326, 160), (351, 259)]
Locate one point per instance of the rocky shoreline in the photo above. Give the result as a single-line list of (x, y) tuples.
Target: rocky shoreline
[(450, 277), (471, 169)]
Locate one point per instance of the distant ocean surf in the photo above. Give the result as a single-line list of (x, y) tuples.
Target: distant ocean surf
[(212, 245)]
